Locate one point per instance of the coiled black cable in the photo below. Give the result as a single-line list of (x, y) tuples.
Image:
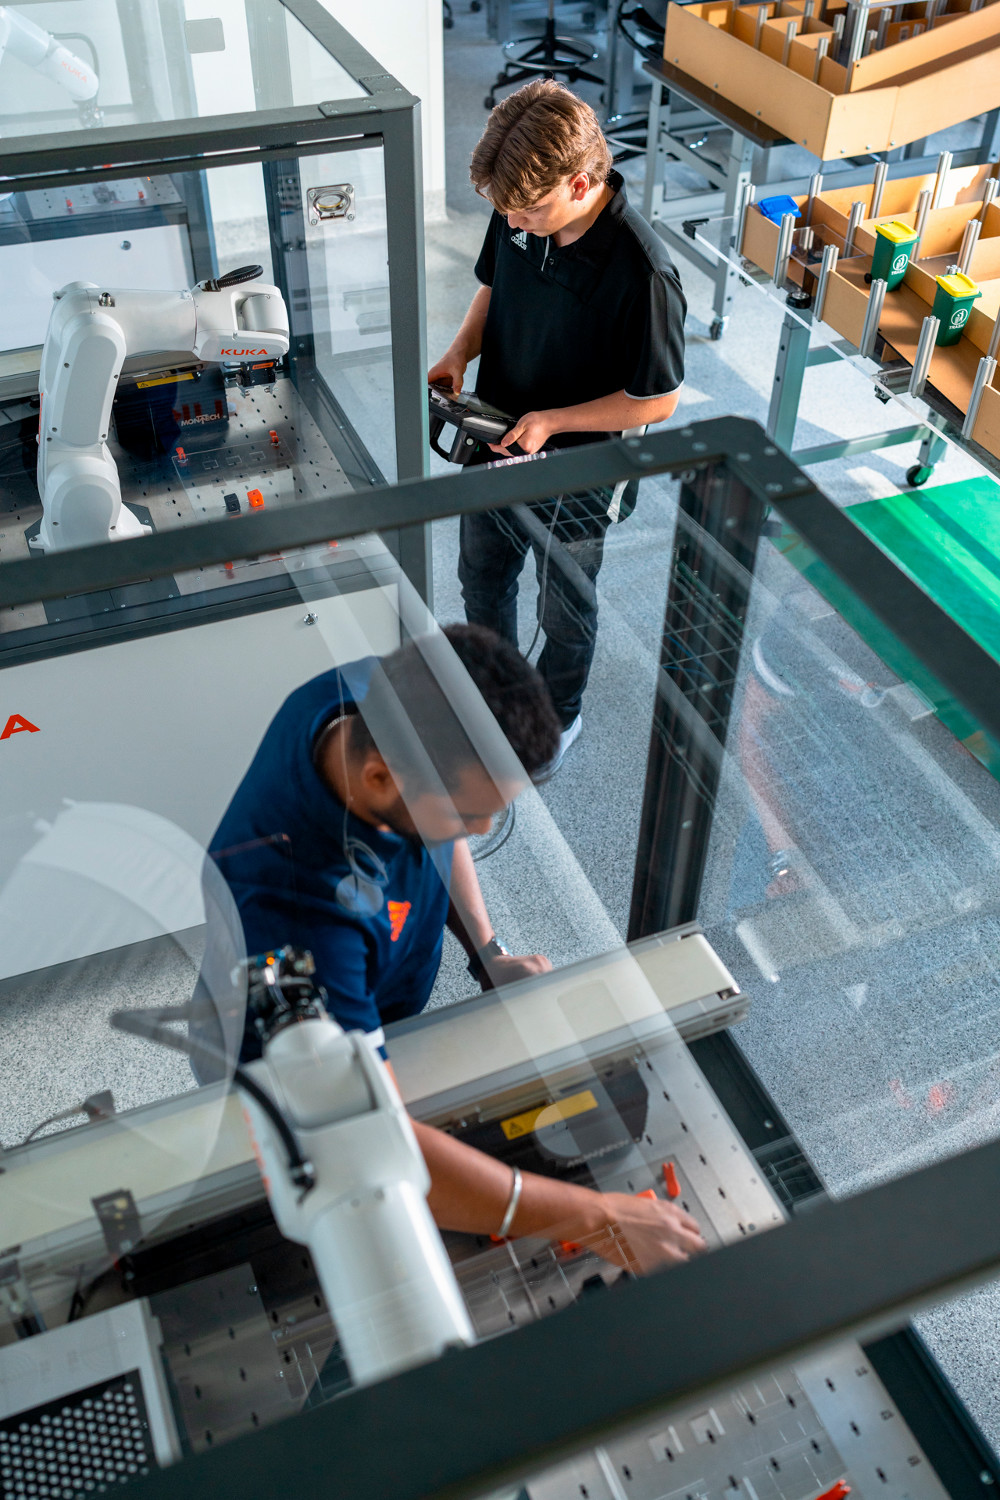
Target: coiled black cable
[(151, 1025)]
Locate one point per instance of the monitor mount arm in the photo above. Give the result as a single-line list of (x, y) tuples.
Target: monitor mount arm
[(229, 321)]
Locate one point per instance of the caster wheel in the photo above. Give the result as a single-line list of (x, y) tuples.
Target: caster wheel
[(448, 22), (475, 6), (489, 102), (717, 329), (919, 474)]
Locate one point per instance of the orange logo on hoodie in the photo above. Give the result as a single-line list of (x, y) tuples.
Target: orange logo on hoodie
[(398, 913)]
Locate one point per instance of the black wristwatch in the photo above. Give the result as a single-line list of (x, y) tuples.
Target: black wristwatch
[(477, 963)]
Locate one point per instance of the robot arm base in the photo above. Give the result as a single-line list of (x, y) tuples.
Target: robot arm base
[(82, 504)]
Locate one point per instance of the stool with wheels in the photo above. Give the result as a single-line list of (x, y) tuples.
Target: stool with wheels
[(548, 56)]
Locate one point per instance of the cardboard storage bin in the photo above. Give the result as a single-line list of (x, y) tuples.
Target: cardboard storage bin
[(906, 91), (943, 229), (953, 368)]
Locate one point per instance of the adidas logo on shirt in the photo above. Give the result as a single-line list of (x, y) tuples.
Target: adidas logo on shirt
[(520, 239)]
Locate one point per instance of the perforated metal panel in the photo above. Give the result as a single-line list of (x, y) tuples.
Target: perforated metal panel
[(84, 1443)]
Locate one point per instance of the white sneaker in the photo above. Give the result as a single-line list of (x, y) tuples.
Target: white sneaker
[(569, 734)]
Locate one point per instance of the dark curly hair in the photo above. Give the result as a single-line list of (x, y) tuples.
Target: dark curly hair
[(409, 719)]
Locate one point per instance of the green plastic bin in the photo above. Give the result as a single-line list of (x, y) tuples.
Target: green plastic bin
[(894, 242), (953, 302)]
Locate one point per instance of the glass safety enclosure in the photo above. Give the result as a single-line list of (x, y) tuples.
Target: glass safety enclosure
[(150, 152), (778, 995)]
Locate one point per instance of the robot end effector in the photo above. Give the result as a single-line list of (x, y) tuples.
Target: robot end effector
[(233, 320)]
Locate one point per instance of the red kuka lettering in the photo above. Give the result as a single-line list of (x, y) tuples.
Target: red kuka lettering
[(18, 724)]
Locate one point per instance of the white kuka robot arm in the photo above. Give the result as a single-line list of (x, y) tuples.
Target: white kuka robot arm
[(90, 333), (378, 1254), (41, 51)]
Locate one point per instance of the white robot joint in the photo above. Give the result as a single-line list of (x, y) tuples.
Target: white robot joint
[(233, 320)]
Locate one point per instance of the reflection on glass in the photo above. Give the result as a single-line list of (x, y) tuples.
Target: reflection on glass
[(327, 752), (61, 70), (348, 272), (110, 908), (852, 885)]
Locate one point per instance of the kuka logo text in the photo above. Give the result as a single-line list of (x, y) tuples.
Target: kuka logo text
[(240, 352), (17, 724)]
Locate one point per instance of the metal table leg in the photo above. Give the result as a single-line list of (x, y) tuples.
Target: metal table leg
[(786, 392), (932, 449), (794, 358), (652, 186), (613, 88), (738, 174)]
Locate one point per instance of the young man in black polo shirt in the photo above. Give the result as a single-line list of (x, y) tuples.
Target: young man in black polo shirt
[(579, 325)]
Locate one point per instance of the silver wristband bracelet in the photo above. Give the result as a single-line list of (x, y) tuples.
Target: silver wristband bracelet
[(515, 1198)]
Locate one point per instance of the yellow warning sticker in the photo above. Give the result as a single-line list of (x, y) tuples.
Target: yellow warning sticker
[(165, 379), (548, 1114)]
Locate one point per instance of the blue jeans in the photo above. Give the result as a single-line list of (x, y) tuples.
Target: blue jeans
[(566, 535)]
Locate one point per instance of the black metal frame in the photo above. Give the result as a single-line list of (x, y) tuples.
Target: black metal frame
[(475, 1419), (707, 597), (735, 443)]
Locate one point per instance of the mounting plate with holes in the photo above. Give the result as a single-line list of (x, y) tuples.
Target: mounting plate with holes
[(334, 202)]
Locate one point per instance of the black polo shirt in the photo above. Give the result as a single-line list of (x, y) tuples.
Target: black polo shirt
[(567, 325)]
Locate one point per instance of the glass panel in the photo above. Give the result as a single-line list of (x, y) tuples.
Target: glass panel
[(105, 907), (348, 275), (202, 424), (314, 73), (849, 838), (63, 70), (795, 797)]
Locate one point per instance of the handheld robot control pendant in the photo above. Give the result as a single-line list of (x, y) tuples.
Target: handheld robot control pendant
[(473, 421)]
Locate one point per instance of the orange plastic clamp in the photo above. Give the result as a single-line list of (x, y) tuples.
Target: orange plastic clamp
[(670, 1180), (836, 1491)]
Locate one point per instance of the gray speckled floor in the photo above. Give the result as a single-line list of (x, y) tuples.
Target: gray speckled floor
[(57, 1047), (872, 973)]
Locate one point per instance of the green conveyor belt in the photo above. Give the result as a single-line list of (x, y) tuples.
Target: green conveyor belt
[(947, 539)]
